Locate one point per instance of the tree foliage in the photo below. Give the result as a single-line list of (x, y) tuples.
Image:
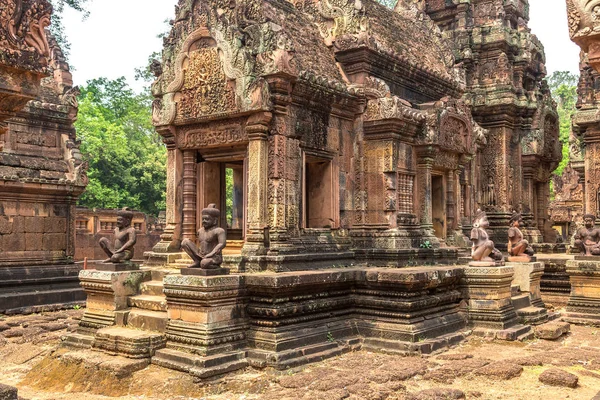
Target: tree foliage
[(57, 27), (127, 160), (563, 86)]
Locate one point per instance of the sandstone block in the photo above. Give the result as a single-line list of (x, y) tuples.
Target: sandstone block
[(502, 370), (27, 209), (18, 224), (558, 377), (5, 226), (440, 393), (552, 330), (54, 241), (14, 242), (8, 392), (55, 225), (34, 224), (33, 241), (8, 207)]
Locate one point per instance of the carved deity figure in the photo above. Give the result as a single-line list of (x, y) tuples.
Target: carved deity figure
[(517, 245), (125, 238), (587, 238), (483, 248), (212, 239), (490, 194)]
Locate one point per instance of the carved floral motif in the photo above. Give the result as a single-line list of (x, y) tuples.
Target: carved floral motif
[(206, 89)]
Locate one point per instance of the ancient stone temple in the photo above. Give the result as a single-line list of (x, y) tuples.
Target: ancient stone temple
[(345, 136), (41, 169), (346, 144), (504, 64)]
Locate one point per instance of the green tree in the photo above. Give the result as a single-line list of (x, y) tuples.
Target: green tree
[(563, 86), (127, 160)]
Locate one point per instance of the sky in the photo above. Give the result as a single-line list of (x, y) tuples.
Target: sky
[(119, 36)]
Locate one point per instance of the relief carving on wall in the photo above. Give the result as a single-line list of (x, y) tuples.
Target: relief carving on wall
[(206, 89), (22, 29), (584, 27), (195, 139)]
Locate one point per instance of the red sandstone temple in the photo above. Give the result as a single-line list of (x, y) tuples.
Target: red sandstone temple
[(354, 134)]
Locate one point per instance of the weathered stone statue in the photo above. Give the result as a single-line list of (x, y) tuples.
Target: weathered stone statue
[(212, 240), (587, 239), (125, 239), (518, 247), (483, 249)]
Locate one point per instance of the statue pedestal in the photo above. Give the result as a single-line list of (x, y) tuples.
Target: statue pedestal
[(114, 267), (528, 276), (207, 324), (521, 259), (486, 263), (487, 289), (583, 306), (204, 272), (107, 293)]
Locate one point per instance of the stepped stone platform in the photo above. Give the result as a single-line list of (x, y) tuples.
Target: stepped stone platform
[(211, 325), (555, 279), (37, 288), (583, 306)]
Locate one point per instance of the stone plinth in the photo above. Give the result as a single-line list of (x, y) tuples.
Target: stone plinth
[(299, 317), (130, 343), (488, 293), (555, 280), (115, 267), (583, 306), (207, 325), (107, 294), (528, 276), (204, 272)]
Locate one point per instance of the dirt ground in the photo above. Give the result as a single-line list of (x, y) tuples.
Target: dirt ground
[(476, 369)]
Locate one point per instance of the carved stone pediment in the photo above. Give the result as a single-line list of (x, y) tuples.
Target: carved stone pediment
[(584, 27), (24, 52)]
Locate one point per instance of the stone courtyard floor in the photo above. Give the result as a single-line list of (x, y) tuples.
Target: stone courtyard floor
[(476, 369)]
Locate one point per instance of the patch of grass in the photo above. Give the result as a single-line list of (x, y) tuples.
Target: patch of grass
[(330, 337)]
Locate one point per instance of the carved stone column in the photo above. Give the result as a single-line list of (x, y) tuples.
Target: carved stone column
[(451, 210), (258, 164), (424, 166), (170, 240), (189, 195), (592, 171), (497, 183)]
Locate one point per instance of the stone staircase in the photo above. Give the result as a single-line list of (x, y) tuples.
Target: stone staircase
[(149, 308), (528, 314), (142, 330)]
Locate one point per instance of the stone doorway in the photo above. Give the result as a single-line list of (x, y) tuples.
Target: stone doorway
[(318, 196), (223, 183), (438, 206)]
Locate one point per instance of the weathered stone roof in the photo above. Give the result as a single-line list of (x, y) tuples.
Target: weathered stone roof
[(310, 52), (411, 35)]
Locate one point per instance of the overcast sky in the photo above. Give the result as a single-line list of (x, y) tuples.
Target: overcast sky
[(119, 35)]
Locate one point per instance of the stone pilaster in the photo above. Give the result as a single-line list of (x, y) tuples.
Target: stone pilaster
[(488, 294), (583, 306), (592, 171), (107, 294), (170, 240), (257, 198), (206, 331), (189, 195), (424, 166), (451, 203)]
